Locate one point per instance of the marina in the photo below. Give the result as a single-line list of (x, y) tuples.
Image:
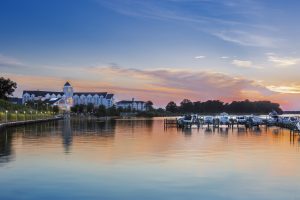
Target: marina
[(248, 121)]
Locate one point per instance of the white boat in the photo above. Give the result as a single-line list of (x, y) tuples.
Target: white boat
[(241, 119), (273, 114), (208, 119), (254, 120), (298, 126), (188, 119), (271, 121), (224, 119)]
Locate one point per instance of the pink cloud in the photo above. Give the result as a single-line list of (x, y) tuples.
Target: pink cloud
[(160, 85)]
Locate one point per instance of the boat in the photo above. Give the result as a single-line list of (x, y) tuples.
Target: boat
[(274, 114), (253, 120), (208, 120), (188, 120), (241, 119), (224, 119), (298, 126)]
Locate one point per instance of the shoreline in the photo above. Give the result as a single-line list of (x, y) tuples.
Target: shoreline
[(20, 123)]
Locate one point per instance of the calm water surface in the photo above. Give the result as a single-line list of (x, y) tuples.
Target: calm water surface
[(138, 159)]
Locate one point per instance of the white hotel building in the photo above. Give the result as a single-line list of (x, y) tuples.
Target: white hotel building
[(68, 98)]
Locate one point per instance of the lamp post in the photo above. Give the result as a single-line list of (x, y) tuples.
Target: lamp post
[(24, 115), (36, 115), (31, 115), (6, 115), (16, 115), (47, 106)]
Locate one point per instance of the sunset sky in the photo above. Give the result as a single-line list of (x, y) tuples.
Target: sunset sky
[(155, 50)]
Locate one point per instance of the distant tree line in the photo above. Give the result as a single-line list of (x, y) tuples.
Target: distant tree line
[(216, 106), (101, 111)]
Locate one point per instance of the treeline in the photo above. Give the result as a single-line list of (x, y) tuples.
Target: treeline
[(216, 106), (100, 111)]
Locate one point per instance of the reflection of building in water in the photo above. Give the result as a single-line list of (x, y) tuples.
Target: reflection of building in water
[(131, 124), (93, 127), (67, 135), (6, 151)]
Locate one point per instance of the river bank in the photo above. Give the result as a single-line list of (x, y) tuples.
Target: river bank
[(19, 123)]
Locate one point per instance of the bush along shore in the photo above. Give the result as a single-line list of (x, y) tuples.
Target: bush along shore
[(13, 113)]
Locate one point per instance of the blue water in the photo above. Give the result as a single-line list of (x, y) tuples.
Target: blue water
[(138, 159)]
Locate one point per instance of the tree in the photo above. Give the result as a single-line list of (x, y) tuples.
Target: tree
[(90, 108), (55, 109), (186, 106), (101, 111), (112, 111), (7, 87), (172, 107), (149, 105), (81, 108)]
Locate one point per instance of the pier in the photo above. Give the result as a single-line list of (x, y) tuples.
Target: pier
[(216, 123)]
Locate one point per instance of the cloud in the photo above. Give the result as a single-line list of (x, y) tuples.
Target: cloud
[(9, 62), (245, 38), (233, 29), (224, 57), (242, 63), (170, 84), (163, 85), (199, 57), (245, 64), (282, 61), (293, 89)]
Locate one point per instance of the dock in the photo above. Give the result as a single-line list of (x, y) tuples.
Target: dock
[(169, 123)]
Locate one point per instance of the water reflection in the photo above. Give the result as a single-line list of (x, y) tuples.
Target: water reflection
[(67, 135), (96, 159), (6, 150)]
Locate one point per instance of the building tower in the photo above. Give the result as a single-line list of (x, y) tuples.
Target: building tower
[(68, 91)]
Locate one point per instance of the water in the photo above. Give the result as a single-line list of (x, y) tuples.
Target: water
[(138, 159)]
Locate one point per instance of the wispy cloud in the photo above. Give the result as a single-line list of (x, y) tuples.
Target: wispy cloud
[(10, 62), (246, 38), (224, 57), (245, 64), (233, 29), (283, 61), (292, 89), (199, 57), (242, 63)]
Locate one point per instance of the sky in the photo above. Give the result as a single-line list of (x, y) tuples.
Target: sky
[(163, 51)]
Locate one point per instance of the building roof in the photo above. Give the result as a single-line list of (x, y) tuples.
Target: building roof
[(109, 96), (52, 100), (41, 93), (91, 93), (127, 102), (67, 84)]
